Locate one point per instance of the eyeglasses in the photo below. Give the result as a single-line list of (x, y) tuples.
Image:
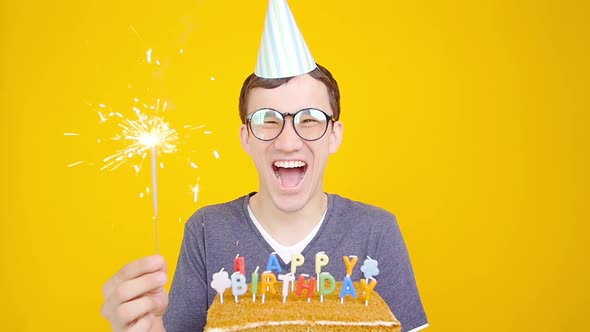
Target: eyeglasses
[(310, 124)]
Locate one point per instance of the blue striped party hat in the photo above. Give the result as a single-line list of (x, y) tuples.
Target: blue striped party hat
[(283, 52)]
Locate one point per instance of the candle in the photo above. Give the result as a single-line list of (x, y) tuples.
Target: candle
[(273, 263), (347, 289), (240, 265), (368, 287), (309, 286), (254, 284), (326, 277), (238, 285), (349, 263), (321, 260), (286, 279), (296, 260), (220, 283), (267, 284), (370, 268)]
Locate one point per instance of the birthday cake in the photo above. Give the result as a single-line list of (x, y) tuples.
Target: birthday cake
[(300, 313)]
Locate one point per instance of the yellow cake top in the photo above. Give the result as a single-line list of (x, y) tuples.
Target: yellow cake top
[(295, 313)]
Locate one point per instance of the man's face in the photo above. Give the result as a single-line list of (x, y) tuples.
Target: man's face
[(291, 169)]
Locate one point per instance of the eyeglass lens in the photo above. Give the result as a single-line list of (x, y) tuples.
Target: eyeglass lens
[(310, 124)]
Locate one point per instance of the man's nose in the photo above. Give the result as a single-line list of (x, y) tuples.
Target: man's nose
[(288, 140)]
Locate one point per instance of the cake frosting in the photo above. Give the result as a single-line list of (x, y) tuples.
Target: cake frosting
[(296, 313)]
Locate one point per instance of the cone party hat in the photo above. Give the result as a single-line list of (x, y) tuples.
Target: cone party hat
[(283, 52)]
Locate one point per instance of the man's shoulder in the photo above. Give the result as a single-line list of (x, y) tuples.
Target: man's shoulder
[(347, 206), (220, 211)]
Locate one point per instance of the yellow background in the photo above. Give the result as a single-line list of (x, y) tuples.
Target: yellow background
[(467, 119)]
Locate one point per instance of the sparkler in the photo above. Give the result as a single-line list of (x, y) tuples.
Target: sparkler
[(143, 133)]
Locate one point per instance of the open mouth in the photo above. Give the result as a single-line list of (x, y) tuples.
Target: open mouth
[(289, 173)]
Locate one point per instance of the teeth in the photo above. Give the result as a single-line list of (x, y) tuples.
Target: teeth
[(289, 163)]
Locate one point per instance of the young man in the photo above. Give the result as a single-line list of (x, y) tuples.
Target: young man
[(289, 128)]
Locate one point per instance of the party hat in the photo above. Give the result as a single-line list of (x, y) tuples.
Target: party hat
[(283, 52)]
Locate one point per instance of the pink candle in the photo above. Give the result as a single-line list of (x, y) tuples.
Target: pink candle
[(309, 286), (240, 265)]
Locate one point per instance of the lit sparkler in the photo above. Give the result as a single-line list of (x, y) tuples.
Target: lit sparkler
[(142, 133), (145, 133)]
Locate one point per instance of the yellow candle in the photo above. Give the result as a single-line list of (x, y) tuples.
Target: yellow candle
[(350, 263)]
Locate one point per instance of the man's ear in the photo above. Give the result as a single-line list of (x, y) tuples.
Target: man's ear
[(244, 138), (336, 136)]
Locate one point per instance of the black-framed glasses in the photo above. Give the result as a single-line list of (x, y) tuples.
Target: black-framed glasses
[(310, 124)]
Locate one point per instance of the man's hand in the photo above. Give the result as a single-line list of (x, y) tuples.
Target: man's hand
[(135, 298)]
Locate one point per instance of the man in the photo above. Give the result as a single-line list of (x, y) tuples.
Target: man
[(290, 125)]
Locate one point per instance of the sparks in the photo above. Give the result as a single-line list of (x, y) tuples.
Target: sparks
[(142, 133), (195, 190), (75, 164)]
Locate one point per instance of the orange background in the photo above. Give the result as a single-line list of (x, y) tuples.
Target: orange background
[(468, 120)]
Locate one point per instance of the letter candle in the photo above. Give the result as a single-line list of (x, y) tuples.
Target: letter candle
[(349, 264), (238, 285), (326, 276), (267, 284), (368, 287), (254, 284), (321, 259), (296, 260), (273, 263), (240, 265), (301, 285), (347, 289), (286, 279)]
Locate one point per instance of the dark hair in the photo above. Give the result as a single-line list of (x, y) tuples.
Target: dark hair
[(320, 73)]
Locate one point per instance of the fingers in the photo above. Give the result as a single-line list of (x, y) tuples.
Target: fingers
[(133, 270), (130, 290), (132, 313), (136, 293), (133, 288), (143, 324)]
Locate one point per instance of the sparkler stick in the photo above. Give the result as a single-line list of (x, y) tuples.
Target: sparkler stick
[(146, 133), (155, 195)]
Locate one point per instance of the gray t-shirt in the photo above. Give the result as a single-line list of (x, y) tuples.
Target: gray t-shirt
[(215, 234)]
